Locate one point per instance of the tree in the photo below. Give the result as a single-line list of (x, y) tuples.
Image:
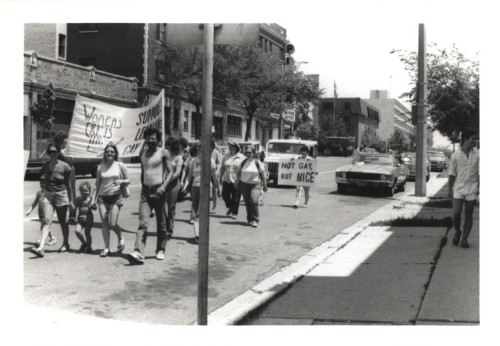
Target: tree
[(369, 138), (453, 88), (303, 93), (42, 113), (398, 141), (254, 78)]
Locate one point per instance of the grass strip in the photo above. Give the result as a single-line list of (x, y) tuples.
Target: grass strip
[(415, 222)]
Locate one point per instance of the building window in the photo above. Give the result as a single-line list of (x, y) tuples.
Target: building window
[(61, 51), (87, 27), (233, 126), (347, 107), (195, 123), (176, 118), (186, 119)]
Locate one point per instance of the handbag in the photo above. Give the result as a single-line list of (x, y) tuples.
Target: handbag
[(124, 187)]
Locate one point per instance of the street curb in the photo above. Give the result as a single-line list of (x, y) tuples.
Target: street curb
[(239, 307)]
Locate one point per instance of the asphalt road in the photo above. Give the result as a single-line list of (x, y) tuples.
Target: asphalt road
[(165, 292)]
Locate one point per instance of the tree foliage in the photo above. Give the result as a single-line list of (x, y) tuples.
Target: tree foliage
[(42, 113), (453, 88), (398, 141)]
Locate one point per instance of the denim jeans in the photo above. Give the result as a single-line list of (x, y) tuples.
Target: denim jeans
[(231, 197), (251, 195), (172, 193), (147, 202), (195, 202)]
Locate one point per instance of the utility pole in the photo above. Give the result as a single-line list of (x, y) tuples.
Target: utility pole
[(206, 137), (420, 182)]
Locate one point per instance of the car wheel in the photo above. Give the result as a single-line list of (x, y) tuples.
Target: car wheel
[(342, 188), (391, 190)]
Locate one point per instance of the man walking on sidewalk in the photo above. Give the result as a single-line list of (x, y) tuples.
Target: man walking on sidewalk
[(156, 173), (463, 185)]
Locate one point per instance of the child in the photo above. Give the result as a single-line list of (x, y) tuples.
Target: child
[(85, 218), (51, 239)]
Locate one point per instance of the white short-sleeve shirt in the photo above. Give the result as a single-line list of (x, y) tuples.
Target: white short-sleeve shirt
[(466, 172)]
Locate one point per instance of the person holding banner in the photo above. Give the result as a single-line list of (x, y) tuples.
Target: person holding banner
[(156, 174), (58, 195), (111, 175), (228, 174), (172, 145), (304, 154), (251, 180)]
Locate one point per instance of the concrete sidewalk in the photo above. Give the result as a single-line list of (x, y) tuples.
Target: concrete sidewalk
[(373, 275)]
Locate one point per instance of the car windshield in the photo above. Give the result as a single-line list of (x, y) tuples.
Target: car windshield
[(284, 148), (436, 155), (374, 160)]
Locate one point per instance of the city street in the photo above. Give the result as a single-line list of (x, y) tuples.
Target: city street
[(165, 292)]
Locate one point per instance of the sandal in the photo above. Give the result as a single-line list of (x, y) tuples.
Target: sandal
[(456, 238), (105, 253)]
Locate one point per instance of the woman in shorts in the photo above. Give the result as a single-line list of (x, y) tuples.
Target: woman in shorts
[(57, 196), (111, 175)]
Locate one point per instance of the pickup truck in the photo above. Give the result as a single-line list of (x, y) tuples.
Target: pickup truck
[(83, 165)]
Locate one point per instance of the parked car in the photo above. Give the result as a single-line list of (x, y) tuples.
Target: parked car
[(410, 160), (438, 160), (369, 150), (336, 146), (385, 171), (285, 149)]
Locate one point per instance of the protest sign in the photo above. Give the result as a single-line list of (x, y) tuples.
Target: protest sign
[(96, 123), (297, 172), (223, 150)]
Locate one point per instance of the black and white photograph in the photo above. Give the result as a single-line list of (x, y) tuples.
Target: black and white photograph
[(250, 172)]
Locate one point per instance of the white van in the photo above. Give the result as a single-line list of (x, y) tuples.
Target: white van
[(277, 149)]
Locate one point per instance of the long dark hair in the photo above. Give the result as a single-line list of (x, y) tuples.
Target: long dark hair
[(173, 144)]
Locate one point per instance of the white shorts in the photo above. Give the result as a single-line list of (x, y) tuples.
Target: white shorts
[(468, 197)]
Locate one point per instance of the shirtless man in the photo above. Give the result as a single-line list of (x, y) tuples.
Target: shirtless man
[(156, 173)]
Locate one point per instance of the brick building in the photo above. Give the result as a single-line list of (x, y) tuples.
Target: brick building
[(45, 65), (379, 112), (130, 50)]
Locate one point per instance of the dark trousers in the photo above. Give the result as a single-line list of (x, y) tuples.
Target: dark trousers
[(147, 203), (251, 195), (231, 197)]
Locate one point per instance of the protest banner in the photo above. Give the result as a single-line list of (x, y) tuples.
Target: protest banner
[(223, 150), (96, 123), (297, 172)]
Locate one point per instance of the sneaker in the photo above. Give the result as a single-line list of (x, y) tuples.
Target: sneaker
[(52, 241), (295, 205), (304, 206), (228, 212), (160, 255), (191, 221), (37, 243), (64, 248), (37, 251), (104, 253), (121, 245), (254, 224), (152, 213), (234, 216), (135, 258)]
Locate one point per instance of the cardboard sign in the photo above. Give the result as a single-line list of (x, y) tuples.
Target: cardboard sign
[(297, 172), (96, 123), (223, 150)]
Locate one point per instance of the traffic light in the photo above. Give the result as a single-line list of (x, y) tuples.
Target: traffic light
[(289, 50)]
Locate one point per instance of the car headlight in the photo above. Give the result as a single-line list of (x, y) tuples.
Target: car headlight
[(382, 177), (341, 174)]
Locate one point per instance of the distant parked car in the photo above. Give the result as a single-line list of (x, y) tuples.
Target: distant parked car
[(438, 160), (410, 160), (369, 150), (385, 171)]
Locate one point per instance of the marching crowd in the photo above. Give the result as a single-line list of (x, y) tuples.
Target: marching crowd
[(167, 175)]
